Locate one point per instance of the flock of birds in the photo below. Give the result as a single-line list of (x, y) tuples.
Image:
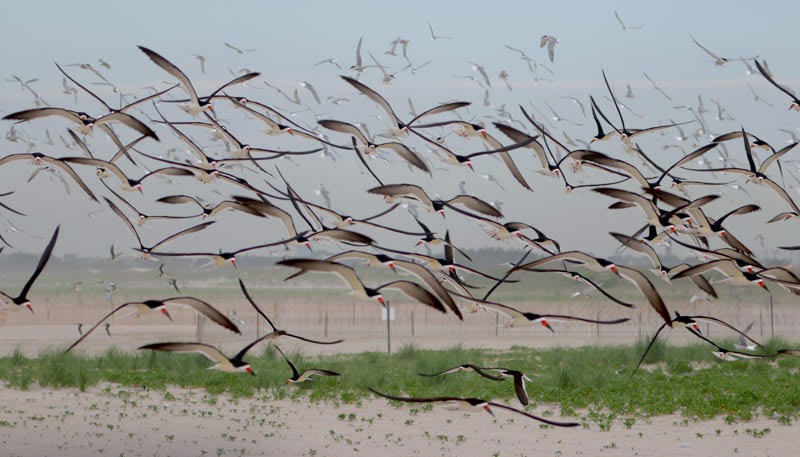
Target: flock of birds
[(253, 188)]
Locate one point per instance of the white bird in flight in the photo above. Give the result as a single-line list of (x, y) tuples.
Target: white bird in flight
[(550, 42)]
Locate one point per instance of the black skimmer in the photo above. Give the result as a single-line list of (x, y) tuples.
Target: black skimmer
[(756, 175), (473, 404), (576, 156), (728, 267), (275, 331), (470, 130), (402, 127), (22, 300), (691, 324), (624, 132), (659, 269), (219, 258), (519, 378), (422, 273), (122, 149), (655, 216), (273, 127), (783, 277), (581, 278), (304, 238), (3, 205), (343, 220), (634, 172), (601, 134), (148, 251), (306, 374), (728, 355), (591, 263), (137, 102), (577, 257), (277, 127), (86, 123), (235, 364), (743, 261), (448, 264), (518, 136), (39, 159), (208, 210), (529, 319), (416, 193), (705, 227), (369, 147), (768, 76), (128, 184), (142, 218), (510, 230), (430, 238), (464, 367), (241, 151), (358, 288), (506, 158), (196, 104), (161, 306)]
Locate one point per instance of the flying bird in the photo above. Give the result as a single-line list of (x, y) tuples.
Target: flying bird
[(22, 299)]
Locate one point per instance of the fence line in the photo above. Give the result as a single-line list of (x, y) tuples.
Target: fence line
[(364, 320)]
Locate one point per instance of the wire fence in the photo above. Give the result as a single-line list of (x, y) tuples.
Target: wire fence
[(365, 320)]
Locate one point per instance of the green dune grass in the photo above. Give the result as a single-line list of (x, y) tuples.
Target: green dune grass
[(593, 383)]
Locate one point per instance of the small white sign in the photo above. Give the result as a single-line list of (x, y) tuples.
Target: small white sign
[(383, 314)]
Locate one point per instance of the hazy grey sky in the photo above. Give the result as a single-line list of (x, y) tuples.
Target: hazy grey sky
[(290, 37)]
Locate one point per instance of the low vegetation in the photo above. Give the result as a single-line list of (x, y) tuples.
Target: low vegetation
[(594, 383)]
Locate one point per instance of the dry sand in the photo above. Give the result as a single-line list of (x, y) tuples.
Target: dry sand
[(121, 421)]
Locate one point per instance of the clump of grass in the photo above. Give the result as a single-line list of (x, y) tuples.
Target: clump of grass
[(659, 351)]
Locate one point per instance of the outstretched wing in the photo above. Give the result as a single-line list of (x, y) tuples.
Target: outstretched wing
[(42, 262)]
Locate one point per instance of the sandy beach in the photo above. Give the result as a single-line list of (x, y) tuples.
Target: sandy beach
[(123, 421)]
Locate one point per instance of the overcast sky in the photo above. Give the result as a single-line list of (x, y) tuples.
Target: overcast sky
[(288, 38)]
